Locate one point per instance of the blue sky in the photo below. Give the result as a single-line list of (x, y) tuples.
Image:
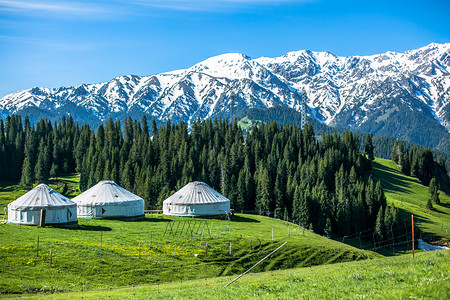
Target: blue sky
[(54, 43)]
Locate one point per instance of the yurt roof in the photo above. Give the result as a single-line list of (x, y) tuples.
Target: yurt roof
[(41, 196), (106, 192), (196, 193)]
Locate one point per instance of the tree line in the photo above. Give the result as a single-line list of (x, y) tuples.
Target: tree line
[(322, 184)]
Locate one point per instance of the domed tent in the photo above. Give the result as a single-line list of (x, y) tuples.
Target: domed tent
[(106, 199), (26, 210), (196, 199)]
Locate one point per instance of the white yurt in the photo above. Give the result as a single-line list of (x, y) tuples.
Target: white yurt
[(196, 199), (106, 199), (26, 210)]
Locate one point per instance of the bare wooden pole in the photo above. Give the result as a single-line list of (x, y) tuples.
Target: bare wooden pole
[(256, 264), (412, 227), (101, 238), (51, 259), (37, 247)]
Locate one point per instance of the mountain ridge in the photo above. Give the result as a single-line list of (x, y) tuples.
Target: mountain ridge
[(371, 93)]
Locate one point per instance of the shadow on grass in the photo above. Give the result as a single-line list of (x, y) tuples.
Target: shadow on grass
[(241, 218), (93, 228), (392, 180), (154, 220)]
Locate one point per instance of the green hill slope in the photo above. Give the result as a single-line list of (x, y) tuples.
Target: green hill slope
[(135, 253), (410, 196), (400, 277)]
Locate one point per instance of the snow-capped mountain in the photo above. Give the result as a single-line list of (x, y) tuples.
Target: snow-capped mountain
[(405, 95)]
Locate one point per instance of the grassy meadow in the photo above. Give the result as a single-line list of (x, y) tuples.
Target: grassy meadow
[(135, 253), (398, 277)]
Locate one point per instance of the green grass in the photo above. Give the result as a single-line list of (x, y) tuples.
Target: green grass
[(245, 123), (410, 196), (400, 277), (76, 252)]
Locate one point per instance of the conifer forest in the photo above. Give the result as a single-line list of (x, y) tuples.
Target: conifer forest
[(323, 184)]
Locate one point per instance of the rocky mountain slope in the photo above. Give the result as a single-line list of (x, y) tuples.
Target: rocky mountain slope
[(404, 95)]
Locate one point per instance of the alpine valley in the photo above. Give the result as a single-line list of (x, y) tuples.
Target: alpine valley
[(403, 95)]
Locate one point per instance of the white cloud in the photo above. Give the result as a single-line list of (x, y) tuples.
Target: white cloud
[(205, 5), (54, 7)]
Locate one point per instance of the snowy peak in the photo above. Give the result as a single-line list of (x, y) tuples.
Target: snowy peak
[(368, 93)]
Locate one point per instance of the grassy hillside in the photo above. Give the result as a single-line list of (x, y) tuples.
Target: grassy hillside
[(398, 277), (75, 263), (410, 196)]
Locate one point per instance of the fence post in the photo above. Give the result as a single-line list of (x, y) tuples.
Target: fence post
[(175, 250), (412, 228), (139, 250), (101, 237), (51, 259), (272, 234), (230, 248), (37, 247)]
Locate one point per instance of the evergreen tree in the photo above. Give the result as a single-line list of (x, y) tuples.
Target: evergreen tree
[(429, 204), (368, 147), (263, 192), (379, 225), (433, 189)]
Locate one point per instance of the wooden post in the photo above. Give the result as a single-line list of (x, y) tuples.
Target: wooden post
[(230, 248), (412, 228), (139, 250), (37, 248), (289, 231), (51, 257), (101, 238), (201, 240), (175, 250), (191, 237), (42, 218), (206, 251)]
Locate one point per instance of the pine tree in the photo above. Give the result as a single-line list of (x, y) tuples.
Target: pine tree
[(429, 204), (301, 212), (263, 192), (41, 169), (27, 178), (394, 153), (328, 229), (433, 190), (368, 148), (379, 225)]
